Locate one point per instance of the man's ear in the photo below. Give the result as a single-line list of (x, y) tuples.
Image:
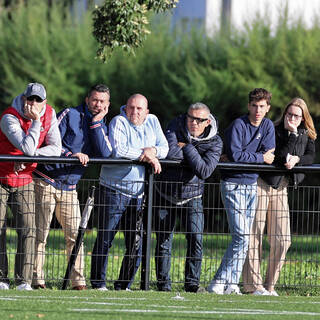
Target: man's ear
[(87, 99)]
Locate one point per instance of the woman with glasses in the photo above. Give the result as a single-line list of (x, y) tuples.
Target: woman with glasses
[(295, 145)]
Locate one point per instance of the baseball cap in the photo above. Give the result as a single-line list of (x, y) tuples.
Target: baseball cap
[(35, 89)]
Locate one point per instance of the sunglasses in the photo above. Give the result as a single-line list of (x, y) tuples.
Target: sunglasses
[(198, 120), (32, 98)]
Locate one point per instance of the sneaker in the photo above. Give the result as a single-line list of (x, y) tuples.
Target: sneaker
[(24, 286), (102, 289), (217, 288), (4, 286), (127, 289), (273, 293), (262, 292), (232, 289)]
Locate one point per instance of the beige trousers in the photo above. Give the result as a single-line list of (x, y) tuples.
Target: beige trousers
[(273, 208), (67, 210)]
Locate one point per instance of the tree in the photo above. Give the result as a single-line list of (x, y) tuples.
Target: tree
[(123, 23)]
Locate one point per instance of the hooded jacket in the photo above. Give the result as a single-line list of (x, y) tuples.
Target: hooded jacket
[(78, 134), (300, 145), (199, 158), (22, 136)]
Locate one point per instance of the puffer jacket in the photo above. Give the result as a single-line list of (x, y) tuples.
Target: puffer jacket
[(199, 158), (300, 145)]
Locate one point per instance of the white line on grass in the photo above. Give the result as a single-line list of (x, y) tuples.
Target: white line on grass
[(217, 311)]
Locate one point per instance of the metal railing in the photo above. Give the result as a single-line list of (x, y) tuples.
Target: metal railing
[(301, 267)]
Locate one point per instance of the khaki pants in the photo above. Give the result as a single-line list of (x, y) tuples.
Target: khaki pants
[(67, 210), (273, 207), (21, 202)]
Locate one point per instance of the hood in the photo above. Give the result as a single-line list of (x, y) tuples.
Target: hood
[(17, 103), (209, 132)]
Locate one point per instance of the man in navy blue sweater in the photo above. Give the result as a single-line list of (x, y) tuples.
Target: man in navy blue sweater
[(249, 139), (83, 134), (193, 138)]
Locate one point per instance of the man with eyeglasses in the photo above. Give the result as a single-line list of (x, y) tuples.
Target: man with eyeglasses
[(29, 127), (193, 139), (84, 134)]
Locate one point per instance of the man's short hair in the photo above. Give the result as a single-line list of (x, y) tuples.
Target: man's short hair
[(99, 88), (259, 94), (199, 105)]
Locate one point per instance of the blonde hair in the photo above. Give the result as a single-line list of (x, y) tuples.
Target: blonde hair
[(308, 122)]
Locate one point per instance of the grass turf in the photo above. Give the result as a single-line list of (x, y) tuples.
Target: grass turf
[(92, 304)]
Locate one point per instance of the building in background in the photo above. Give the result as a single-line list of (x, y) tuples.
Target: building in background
[(212, 15)]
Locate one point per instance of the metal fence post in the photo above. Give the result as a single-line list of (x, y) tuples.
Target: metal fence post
[(146, 237)]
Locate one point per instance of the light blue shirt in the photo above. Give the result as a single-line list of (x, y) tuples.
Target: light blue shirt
[(128, 141)]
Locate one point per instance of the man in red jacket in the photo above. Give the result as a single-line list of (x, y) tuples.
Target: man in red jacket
[(28, 127)]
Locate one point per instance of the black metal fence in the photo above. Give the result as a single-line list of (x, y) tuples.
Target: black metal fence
[(302, 260)]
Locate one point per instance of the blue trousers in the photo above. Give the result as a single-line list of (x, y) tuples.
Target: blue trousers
[(116, 210), (192, 220), (240, 205)]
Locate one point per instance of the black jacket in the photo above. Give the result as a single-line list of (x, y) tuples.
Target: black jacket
[(199, 157), (297, 145)]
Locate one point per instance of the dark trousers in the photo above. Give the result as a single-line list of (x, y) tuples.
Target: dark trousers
[(191, 218), (114, 210)]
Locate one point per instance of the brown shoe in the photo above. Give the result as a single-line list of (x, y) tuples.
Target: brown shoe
[(39, 286), (79, 288)]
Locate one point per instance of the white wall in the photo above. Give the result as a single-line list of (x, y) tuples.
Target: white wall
[(209, 11)]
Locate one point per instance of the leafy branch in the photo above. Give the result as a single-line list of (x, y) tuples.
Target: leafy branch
[(123, 23)]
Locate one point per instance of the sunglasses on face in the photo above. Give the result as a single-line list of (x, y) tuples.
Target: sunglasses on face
[(32, 98), (198, 120)]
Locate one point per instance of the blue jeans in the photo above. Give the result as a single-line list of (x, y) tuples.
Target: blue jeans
[(114, 210), (193, 221), (240, 204)]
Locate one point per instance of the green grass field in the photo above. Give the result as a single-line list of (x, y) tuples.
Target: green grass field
[(91, 304), (300, 273)]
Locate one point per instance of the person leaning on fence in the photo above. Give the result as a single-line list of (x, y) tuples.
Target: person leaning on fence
[(83, 134), (249, 139), (137, 135), (28, 127), (295, 136), (193, 138)]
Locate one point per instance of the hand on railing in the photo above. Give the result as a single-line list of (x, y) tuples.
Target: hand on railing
[(83, 158), (268, 157)]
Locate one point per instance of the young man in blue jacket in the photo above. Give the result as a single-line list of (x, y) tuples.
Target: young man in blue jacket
[(193, 138), (249, 139), (137, 135), (84, 135)]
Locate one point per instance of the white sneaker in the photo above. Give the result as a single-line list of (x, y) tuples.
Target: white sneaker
[(102, 289), (127, 289), (24, 286), (217, 288), (262, 292), (273, 293), (4, 286), (232, 289)]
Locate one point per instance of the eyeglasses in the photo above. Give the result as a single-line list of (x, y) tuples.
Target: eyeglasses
[(292, 115), (32, 98), (198, 120)]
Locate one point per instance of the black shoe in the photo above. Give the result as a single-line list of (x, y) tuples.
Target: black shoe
[(195, 289)]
